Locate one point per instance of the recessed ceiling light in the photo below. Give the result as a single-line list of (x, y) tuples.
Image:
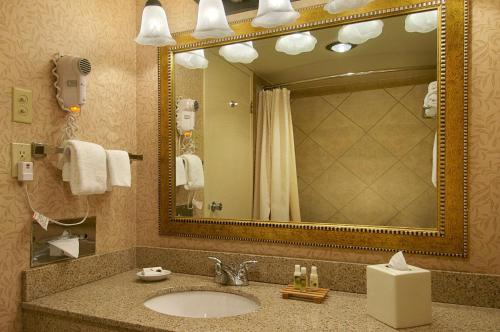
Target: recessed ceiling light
[(340, 47)]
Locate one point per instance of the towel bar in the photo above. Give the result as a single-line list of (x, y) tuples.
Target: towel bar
[(40, 150)]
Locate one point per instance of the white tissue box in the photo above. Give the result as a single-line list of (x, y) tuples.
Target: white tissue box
[(399, 299)]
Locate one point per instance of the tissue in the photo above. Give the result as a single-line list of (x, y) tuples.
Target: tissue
[(398, 262), (69, 247)]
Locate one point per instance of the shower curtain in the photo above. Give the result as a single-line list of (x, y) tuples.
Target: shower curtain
[(276, 195)]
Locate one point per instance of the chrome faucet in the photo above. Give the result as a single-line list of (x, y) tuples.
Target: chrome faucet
[(226, 275)]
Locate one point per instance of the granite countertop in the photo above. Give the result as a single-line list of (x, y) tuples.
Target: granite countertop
[(118, 301)]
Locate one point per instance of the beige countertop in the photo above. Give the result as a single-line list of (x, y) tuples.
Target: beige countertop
[(118, 301)]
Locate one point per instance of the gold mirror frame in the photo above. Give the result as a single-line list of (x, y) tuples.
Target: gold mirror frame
[(451, 235)]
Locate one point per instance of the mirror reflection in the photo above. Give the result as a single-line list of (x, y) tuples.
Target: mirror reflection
[(327, 126)]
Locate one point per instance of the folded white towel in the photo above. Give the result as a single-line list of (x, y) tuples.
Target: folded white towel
[(180, 172), (84, 166), (119, 174), (194, 172), (434, 162)]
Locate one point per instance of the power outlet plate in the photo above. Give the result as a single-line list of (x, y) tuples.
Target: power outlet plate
[(22, 105), (19, 152)]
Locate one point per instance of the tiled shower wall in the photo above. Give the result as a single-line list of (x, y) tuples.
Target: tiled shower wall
[(484, 158), (31, 32), (365, 157)]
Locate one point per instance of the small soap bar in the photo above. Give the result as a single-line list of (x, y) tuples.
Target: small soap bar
[(399, 299), (151, 271)]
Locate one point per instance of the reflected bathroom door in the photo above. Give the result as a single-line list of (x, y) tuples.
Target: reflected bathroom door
[(228, 137)]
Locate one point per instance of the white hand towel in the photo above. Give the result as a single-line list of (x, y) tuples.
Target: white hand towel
[(84, 166), (69, 247), (194, 172), (180, 172), (119, 174), (434, 162)]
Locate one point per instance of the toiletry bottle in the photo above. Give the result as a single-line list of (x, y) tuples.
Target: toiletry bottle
[(303, 278), (313, 279), (296, 277)]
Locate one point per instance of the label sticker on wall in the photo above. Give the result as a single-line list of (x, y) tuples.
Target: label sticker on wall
[(42, 220)]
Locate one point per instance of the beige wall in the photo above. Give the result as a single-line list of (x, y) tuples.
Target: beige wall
[(485, 159), (30, 33), (124, 78), (365, 157)]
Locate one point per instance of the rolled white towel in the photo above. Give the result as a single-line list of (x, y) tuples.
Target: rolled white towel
[(180, 172), (432, 87), (119, 174), (194, 172), (84, 166), (430, 100)]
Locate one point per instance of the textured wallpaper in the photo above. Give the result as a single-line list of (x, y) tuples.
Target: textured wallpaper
[(484, 156), (31, 32)]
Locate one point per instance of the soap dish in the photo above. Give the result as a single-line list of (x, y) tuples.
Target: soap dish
[(164, 275)]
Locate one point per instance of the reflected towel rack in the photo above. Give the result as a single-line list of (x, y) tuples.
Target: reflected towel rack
[(41, 150)]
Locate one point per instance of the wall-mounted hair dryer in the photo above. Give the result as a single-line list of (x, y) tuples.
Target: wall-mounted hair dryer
[(70, 73)]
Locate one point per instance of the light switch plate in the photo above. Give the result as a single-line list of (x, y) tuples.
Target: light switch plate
[(22, 105), (19, 152)]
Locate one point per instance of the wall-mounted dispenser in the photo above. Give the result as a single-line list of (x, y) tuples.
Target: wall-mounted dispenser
[(70, 73)]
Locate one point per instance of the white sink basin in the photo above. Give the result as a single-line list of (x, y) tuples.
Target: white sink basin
[(202, 304)]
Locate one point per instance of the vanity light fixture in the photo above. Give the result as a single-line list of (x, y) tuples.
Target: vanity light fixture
[(296, 43), (422, 22), (240, 52), (212, 21), (338, 6), (192, 60), (340, 47), (272, 13), (154, 26), (358, 33)]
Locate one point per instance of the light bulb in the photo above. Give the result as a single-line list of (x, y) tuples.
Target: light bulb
[(358, 33), (212, 21), (296, 43), (240, 52), (272, 13), (154, 26), (192, 59)]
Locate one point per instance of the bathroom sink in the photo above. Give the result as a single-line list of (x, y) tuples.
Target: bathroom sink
[(202, 304)]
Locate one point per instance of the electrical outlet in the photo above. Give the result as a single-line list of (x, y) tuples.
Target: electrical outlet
[(19, 152), (22, 109)]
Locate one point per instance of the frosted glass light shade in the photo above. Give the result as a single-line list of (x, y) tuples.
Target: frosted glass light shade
[(192, 59), (272, 13), (241, 52), (421, 22), (338, 6), (154, 26), (212, 21), (358, 33), (296, 43)]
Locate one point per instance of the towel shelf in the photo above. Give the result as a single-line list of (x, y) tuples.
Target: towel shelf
[(40, 150)]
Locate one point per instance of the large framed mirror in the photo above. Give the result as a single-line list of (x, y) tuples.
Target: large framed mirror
[(345, 130)]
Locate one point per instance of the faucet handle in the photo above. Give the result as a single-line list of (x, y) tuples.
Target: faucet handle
[(215, 259), (246, 263)]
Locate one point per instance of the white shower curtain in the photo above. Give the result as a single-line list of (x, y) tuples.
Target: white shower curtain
[(276, 196)]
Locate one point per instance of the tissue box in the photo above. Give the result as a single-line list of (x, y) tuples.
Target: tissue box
[(399, 298)]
